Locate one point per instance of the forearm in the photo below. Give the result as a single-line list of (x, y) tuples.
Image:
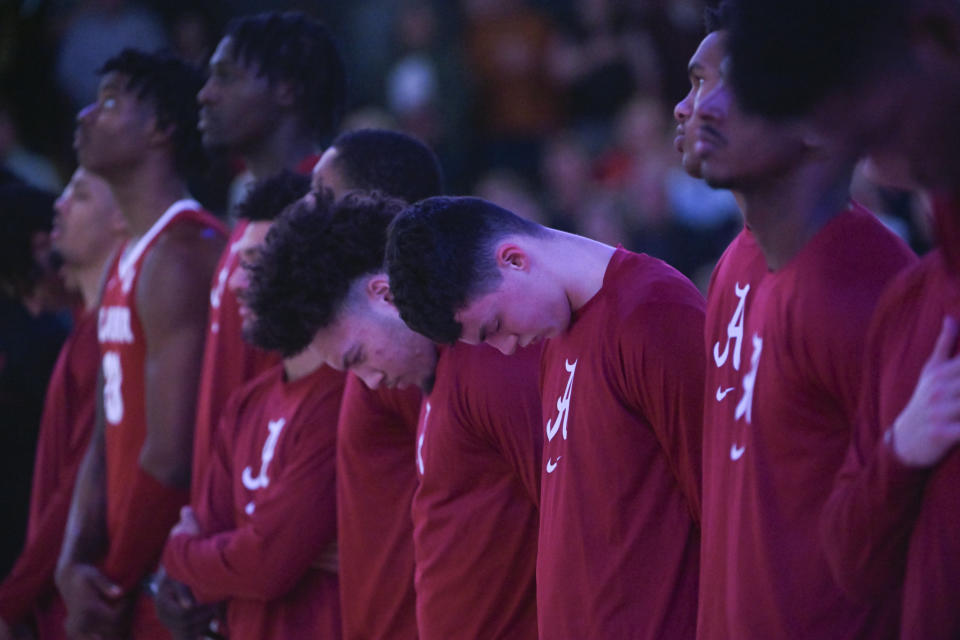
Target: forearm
[(866, 523), (138, 541), (85, 535), (267, 555)]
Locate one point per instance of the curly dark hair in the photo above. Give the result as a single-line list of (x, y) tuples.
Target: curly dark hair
[(267, 198), (388, 161), (439, 257), (788, 56), (290, 47), (170, 85), (26, 211), (312, 255)]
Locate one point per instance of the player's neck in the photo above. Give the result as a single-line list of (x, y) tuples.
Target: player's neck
[(301, 365), (88, 279), (143, 195), (285, 148), (785, 213), (578, 263)]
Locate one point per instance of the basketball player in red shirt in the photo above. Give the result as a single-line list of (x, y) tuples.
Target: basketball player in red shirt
[(781, 425), (891, 523), (738, 272), (266, 511), (276, 88), (87, 230), (621, 382), (376, 435), (320, 282), (141, 137)]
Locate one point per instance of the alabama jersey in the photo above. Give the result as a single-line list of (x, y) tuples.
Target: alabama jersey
[(475, 511), (376, 478), (134, 544), (64, 434), (792, 415), (268, 503), (621, 394), (224, 344), (890, 530), (733, 286)]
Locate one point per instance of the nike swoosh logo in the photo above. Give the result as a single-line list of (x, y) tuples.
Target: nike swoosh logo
[(552, 465), (736, 452), (722, 393)]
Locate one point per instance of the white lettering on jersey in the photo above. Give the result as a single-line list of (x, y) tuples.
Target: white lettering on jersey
[(262, 481), (745, 406), (113, 325), (423, 434), (734, 330), (216, 293), (563, 413), (112, 395)]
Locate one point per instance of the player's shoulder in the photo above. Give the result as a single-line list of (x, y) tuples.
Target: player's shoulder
[(911, 287), (188, 250), (194, 230), (647, 289), (854, 249)]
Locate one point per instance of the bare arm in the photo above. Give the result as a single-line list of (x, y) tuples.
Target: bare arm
[(93, 601), (171, 302)]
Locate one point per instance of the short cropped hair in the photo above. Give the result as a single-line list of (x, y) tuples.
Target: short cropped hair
[(312, 255), (267, 198), (290, 47), (170, 86), (789, 56), (388, 161), (24, 211), (440, 257)]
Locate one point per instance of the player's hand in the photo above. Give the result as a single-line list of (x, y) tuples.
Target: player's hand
[(929, 426), (96, 607), (178, 610), (188, 524)]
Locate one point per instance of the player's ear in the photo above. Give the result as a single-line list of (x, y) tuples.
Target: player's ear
[(510, 255), (378, 289)]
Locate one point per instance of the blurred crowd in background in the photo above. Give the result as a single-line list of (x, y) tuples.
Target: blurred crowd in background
[(557, 109)]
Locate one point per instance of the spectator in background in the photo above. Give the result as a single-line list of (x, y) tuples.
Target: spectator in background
[(87, 230), (97, 30), (517, 102), (30, 167), (507, 189), (32, 329), (426, 88), (601, 60), (574, 200)]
